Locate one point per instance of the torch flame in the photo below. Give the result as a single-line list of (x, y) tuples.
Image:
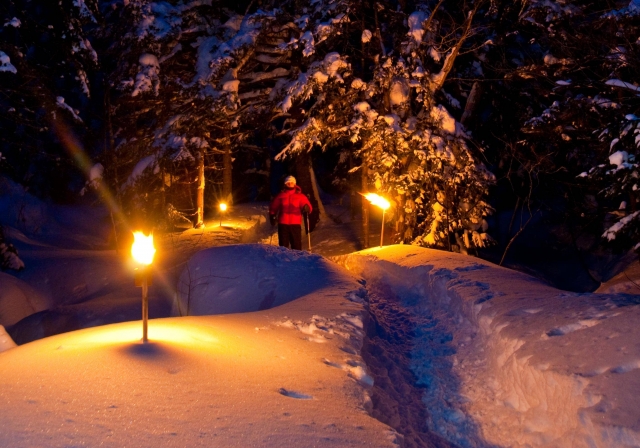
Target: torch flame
[(223, 207), (377, 200), (142, 249)]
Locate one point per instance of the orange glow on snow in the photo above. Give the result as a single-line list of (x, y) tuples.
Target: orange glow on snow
[(162, 332), (142, 248), (378, 201)]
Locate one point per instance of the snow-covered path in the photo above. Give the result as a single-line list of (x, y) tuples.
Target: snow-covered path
[(504, 359), (393, 330)]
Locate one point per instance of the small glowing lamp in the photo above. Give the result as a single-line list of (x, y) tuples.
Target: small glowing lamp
[(381, 202), (142, 251), (223, 208)]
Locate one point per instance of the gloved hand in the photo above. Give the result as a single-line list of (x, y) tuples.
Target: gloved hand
[(273, 220), (305, 209)]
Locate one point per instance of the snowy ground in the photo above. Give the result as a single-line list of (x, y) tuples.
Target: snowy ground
[(627, 281), (413, 347), (290, 376)]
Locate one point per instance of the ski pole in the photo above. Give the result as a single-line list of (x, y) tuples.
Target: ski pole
[(308, 231)]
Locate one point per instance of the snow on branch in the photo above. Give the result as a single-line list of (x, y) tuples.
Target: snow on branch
[(623, 84), (84, 10), (611, 233), (62, 105), (218, 55), (147, 78), (633, 9), (15, 22), (305, 137), (5, 64), (319, 73), (416, 31)]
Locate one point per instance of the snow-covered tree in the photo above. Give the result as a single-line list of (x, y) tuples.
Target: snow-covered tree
[(46, 62), (569, 71), (370, 82), (190, 78)]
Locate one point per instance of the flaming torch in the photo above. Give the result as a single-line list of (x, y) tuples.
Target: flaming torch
[(381, 202), (143, 251)]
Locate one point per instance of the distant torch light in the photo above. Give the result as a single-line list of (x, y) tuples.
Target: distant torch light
[(223, 208), (381, 202), (142, 251)]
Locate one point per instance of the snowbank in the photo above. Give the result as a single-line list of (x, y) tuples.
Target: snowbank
[(507, 360), (18, 300), (624, 282), (23, 214), (211, 283), (5, 340)]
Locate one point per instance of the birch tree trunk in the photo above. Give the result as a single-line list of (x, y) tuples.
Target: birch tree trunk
[(472, 103), (365, 205), (200, 194), (227, 186)]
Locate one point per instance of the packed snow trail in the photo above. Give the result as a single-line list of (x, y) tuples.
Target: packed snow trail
[(392, 330), (504, 359)]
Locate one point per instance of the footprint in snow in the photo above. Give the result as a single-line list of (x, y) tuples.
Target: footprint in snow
[(628, 367), (332, 364), (349, 350), (294, 394), (570, 328), (472, 267)]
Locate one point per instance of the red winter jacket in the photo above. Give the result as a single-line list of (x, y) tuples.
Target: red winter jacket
[(288, 206)]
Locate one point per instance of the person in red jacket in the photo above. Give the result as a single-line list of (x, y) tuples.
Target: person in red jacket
[(286, 209)]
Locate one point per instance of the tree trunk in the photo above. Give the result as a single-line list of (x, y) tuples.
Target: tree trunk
[(227, 186), (110, 143), (401, 222), (440, 78), (316, 190), (472, 103), (378, 33), (306, 180), (163, 190), (200, 196), (353, 191), (365, 205)]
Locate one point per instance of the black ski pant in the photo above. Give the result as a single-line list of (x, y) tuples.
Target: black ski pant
[(290, 234)]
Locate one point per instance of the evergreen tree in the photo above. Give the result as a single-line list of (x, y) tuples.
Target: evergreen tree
[(379, 99), (46, 62)]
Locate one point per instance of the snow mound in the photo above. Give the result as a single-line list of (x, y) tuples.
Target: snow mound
[(5, 340), (18, 300), (243, 278)]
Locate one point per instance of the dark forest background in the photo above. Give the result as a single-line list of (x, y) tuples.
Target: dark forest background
[(505, 129)]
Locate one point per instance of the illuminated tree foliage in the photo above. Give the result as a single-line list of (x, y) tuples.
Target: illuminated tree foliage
[(380, 98)]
